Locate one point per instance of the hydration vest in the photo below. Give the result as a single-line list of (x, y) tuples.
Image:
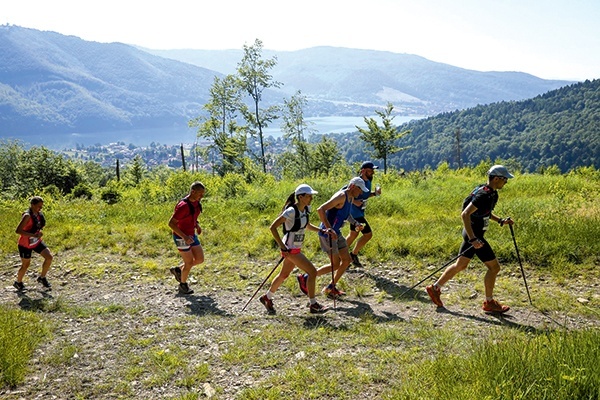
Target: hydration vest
[(191, 206), (479, 213), (297, 221), (38, 222)]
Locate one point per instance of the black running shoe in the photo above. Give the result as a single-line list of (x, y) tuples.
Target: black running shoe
[(184, 288), (176, 271), (44, 282), (355, 260), (318, 309), (19, 286)]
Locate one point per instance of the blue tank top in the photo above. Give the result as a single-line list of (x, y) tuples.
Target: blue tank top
[(337, 217)]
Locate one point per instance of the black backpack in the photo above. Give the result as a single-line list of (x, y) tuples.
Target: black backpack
[(191, 206), (297, 221), (469, 198), (38, 222)]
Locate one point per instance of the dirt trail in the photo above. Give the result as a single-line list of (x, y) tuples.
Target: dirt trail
[(100, 338)]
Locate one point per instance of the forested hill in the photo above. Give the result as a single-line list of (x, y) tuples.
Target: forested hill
[(561, 127), (52, 83)]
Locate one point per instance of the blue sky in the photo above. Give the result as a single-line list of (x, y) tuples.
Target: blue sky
[(552, 39)]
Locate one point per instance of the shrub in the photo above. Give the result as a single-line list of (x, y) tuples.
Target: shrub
[(110, 195), (82, 191)]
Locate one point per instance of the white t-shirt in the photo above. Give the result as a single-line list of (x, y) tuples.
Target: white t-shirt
[(293, 240)]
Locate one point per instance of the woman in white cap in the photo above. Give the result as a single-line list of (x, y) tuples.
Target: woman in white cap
[(477, 212), (294, 219)]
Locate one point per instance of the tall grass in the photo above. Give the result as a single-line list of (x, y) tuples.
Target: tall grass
[(418, 216), (416, 221), (557, 366), (20, 333)]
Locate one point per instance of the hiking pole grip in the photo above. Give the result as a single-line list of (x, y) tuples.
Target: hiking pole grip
[(512, 233), (263, 282), (436, 271)]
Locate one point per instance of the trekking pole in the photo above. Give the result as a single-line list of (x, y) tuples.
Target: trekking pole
[(512, 232), (263, 282), (435, 272), (332, 275)]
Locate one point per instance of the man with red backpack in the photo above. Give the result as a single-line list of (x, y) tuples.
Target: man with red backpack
[(185, 227)]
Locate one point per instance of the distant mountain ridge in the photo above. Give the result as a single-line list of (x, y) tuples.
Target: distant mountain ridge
[(412, 83), (56, 83), (52, 83)]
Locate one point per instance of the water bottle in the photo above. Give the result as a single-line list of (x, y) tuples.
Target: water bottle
[(377, 190)]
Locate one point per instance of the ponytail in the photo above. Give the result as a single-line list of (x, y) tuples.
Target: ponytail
[(291, 200)]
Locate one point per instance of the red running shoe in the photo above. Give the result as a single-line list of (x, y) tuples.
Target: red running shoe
[(302, 278), (434, 293), (493, 306)]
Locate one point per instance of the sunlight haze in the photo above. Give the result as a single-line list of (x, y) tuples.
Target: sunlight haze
[(554, 39)]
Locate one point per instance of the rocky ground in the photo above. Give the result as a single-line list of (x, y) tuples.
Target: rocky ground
[(96, 318)]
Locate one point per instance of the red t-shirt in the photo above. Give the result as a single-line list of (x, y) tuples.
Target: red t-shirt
[(185, 220)]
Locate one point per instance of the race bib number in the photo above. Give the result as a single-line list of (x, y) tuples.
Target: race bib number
[(33, 241), (486, 223), (298, 237), (181, 244)]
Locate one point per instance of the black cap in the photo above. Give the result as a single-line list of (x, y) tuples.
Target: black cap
[(368, 164)]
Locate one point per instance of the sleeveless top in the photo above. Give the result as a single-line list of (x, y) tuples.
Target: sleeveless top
[(35, 223), (337, 216)]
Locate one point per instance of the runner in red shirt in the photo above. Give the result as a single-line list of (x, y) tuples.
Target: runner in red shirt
[(185, 227), (30, 239)]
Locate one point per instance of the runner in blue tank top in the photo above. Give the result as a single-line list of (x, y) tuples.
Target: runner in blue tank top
[(333, 214), (367, 170)]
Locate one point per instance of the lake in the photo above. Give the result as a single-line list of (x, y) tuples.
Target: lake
[(178, 135)]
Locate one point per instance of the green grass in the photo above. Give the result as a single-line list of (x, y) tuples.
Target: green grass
[(515, 365), (20, 333), (416, 227), (557, 219)]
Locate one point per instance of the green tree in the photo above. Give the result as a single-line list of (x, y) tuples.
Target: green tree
[(94, 174), (10, 154), (382, 138), (326, 155), (137, 170), (298, 161), (221, 127), (39, 167), (254, 73)]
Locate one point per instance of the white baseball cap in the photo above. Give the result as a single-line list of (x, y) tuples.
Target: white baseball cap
[(357, 181), (304, 189)]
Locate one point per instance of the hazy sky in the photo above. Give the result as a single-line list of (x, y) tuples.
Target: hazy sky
[(552, 39)]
